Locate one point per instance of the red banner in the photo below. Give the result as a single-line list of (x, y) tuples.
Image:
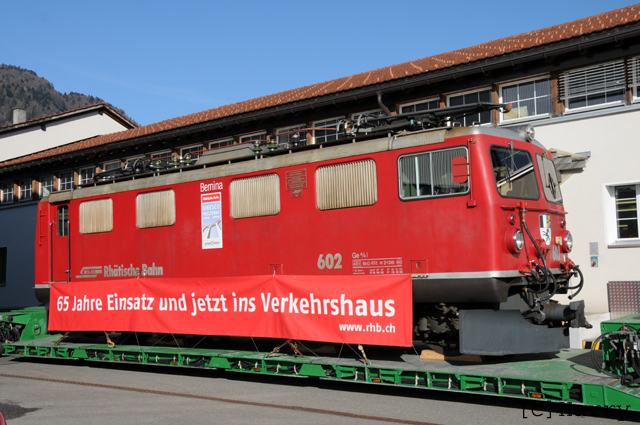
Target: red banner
[(373, 310)]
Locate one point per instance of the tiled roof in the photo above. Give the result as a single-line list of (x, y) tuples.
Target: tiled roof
[(491, 49), (63, 114)]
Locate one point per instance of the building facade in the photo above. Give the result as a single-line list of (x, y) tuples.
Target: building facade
[(21, 189)]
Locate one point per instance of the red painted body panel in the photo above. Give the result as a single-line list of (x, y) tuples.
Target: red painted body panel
[(456, 234)]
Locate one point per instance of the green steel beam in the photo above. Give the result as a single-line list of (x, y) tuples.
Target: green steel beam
[(568, 377)]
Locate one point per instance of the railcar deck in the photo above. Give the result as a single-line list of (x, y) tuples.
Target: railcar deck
[(567, 377)]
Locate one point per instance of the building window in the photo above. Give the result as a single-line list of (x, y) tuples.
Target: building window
[(86, 175), (190, 155), (287, 136), (96, 216), (25, 190), (593, 85), (3, 266), (66, 180), (7, 193), (621, 214), (467, 99), (193, 151), (352, 184), (113, 165), (366, 120), (331, 131), (371, 113), (161, 155), (627, 211), (220, 143), (529, 99), (46, 185), (255, 196), (429, 174), (423, 105), (253, 137), (633, 68), (156, 209)]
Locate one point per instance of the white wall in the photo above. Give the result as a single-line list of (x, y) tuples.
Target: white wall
[(614, 142), (60, 132)]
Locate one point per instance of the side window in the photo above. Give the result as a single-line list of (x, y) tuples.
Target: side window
[(96, 216), (430, 174), (530, 98), (255, 196), (469, 98), (156, 209), (626, 198), (86, 175), (424, 105), (7, 193), (327, 130), (353, 184), (63, 220), (549, 179), (46, 185), (66, 180), (292, 136)]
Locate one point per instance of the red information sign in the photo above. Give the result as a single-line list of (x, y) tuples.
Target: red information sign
[(372, 310)]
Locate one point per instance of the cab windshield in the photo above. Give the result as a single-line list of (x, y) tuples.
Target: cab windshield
[(514, 173), (549, 179)]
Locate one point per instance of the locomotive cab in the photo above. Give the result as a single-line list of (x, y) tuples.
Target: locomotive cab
[(509, 309)]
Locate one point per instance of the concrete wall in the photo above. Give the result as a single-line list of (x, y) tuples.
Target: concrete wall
[(18, 234), (614, 142), (60, 132)]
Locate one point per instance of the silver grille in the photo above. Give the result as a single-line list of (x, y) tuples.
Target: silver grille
[(353, 184), (156, 209), (255, 196), (96, 216)]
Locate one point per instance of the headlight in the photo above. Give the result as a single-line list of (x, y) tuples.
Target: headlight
[(530, 133), (515, 241), (568, 242)]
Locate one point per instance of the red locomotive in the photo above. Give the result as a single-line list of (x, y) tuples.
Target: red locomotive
[(473, 215)]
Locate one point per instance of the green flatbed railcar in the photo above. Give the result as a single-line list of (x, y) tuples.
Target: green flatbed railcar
[(569, 376)]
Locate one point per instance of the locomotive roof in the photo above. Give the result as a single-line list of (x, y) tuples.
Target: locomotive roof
[(211, 167)]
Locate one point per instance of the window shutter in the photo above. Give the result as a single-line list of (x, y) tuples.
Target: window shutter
[(633, 73), (592, 80)]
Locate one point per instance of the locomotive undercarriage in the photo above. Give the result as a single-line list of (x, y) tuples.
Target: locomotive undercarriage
[(515, 316)]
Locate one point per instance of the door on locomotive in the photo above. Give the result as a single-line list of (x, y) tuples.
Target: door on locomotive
[(60, 243)]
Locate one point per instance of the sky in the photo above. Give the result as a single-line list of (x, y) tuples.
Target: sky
[(159, 59)]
